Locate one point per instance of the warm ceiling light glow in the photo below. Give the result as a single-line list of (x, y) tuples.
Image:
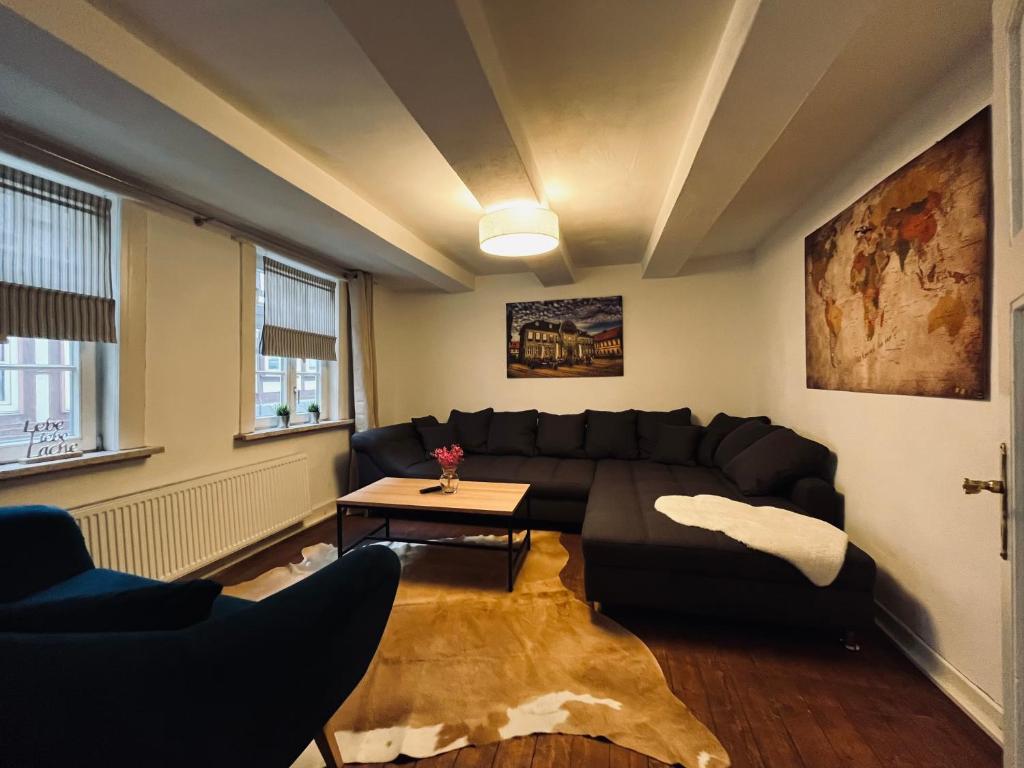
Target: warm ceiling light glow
[(519, 232)]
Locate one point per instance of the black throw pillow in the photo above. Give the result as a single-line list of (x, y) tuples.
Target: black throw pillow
[(716, 431), (144, 609), (561, 434), (611, 435), (676, 445), (647, 423), (775, 461), (513, 433), (419, 422), (741, 438), (472, 429), (437, 436)]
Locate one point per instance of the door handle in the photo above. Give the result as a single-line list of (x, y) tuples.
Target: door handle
[(972, 487), (977, 486)]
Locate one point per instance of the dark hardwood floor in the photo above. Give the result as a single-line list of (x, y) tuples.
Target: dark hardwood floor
[(775, 698)]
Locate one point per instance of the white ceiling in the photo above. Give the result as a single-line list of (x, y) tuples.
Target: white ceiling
[(373, 132), (605, 91), (879, 74)]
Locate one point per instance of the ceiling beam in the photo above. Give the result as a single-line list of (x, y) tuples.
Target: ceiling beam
[(772, 55), (441, 62), (88, 32), (556, 267)]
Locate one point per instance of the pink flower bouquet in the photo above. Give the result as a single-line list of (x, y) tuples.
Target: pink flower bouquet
[(450, 457)]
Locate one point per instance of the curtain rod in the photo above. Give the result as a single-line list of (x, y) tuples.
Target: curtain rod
[(42, 152)]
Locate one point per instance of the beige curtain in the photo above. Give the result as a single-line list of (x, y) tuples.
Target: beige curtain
[(55, 257), (364, 355)]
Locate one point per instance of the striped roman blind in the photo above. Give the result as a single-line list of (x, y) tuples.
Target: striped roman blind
[(300, 315), (55, 261)]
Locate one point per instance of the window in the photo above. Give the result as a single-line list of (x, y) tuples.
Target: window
[(57, 273), (295, 382), (43, 380)]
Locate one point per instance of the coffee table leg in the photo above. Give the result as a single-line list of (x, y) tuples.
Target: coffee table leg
[(528, 526), (340, 514), (511, 558)]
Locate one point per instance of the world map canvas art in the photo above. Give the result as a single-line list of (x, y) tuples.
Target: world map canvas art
[(897, 284), (564, 338)]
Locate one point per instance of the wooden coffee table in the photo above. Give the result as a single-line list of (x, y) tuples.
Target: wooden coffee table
[(490, 505)]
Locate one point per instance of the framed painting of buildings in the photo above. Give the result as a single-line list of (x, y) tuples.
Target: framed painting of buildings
[(897, 285), (564, 338)]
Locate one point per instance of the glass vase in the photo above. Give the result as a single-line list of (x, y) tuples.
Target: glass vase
[(449, 480)]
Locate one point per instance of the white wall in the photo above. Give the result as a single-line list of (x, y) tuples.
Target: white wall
[(687, 341), (902, 459), (192, 382)]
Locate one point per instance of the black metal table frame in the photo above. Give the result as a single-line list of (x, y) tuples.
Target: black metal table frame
[(513, 522)]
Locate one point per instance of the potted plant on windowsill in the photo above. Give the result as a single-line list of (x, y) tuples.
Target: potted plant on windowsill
[(314, 412), (284, 415)]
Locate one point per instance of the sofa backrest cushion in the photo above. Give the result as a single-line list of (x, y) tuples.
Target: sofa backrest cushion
[(152, 607), (436, 436), (561, 435), (611, 435), (513, 433), (420, 423), (716, 431), (741, 438), (676, 444), (472, 429), (647, 423), (775, 461), (424, 421)]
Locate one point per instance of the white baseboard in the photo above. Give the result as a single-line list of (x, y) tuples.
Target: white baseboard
[(977, 704)]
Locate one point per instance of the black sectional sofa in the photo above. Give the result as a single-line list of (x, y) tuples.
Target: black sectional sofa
[(600, 472)]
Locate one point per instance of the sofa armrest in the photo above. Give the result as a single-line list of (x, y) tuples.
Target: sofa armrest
[(391, 450), (818, 498), (39, 546)]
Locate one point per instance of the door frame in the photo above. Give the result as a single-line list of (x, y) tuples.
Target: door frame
[(1013, 589)]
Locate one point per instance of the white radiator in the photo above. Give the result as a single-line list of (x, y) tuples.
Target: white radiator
[(166, 532)]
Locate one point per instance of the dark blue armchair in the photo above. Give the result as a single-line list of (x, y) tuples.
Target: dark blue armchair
[(250, 686)]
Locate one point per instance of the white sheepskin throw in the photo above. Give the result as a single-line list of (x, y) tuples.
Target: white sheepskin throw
[(815, 547)]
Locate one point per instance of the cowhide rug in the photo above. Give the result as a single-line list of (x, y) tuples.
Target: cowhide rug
[(463, 662)]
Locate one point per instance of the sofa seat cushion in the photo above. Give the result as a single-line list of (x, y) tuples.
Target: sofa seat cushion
[(622, 529), (549, 477)]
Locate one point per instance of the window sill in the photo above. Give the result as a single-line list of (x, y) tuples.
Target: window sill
[(298, 429), (19, 471)]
